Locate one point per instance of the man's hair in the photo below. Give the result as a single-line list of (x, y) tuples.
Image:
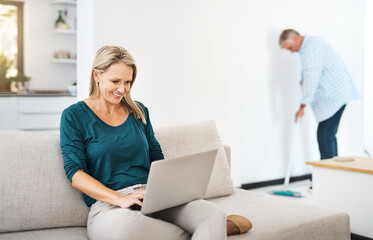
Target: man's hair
[(287, 34)]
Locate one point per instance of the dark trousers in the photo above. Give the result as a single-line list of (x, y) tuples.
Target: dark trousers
[(326, 132)]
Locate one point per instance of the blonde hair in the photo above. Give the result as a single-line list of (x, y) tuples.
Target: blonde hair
[(286, 35), (105, 57)]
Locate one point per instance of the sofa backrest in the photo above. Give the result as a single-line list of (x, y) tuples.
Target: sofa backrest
[(194, 138), (36, 194)]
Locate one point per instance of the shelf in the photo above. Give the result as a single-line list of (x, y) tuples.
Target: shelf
[(70, 2), (63, 60), (64, 31)]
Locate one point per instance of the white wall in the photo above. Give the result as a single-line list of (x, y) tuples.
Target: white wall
[(40, 44), (368, 75), (85, 48), (220, 60)]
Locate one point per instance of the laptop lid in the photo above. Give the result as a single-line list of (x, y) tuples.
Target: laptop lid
[(176, 181)]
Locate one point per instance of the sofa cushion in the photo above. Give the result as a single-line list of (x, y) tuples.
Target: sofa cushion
[(194, 138), (71, 233), (281, 218), (36, 193)]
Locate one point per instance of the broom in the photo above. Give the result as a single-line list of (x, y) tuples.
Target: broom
[(285, 191)]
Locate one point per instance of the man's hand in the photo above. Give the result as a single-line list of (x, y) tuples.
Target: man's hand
[(300, 112)]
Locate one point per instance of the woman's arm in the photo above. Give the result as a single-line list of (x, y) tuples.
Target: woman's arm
[(74, 156), (155, 150), (93, 188)]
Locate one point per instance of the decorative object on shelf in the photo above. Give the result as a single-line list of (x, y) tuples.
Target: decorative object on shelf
[(5, 64), (64, 54), (21, 82), (72, 89), (64, 31), (64, 61), (60, 22)]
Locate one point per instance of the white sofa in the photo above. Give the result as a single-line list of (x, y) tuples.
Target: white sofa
[(38, 202)]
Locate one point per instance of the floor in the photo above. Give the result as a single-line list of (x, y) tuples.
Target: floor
[(300, 186), (304, 188)]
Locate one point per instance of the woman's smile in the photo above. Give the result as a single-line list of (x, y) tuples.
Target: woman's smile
[(117, 95)]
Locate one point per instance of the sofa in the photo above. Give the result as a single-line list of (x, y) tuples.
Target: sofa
[(38, 202)]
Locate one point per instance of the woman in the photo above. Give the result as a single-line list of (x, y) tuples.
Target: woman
[(108, 144)]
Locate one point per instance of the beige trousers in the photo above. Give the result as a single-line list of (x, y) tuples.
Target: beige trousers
[(197, 220)]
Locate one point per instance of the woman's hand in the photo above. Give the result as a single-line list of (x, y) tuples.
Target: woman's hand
[(126, 201), (93, 188)]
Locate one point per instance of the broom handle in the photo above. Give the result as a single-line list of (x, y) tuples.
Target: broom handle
[(288, 171)]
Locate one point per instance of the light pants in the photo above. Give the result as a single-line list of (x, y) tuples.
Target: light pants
[(200, 218)]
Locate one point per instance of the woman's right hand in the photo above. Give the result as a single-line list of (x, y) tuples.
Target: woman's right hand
[(126, 201), (96, 190)]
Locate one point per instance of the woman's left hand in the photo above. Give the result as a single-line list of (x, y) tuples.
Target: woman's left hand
[(126, 201)]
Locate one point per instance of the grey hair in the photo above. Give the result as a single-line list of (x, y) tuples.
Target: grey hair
[(286, 35)]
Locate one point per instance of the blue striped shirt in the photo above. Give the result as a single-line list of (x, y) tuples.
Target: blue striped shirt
[(326, 83)]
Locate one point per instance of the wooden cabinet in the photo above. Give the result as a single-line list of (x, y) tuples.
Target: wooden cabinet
[(41, 114), (347, 187)]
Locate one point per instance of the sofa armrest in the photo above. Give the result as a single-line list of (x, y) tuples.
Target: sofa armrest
[(228, 153)]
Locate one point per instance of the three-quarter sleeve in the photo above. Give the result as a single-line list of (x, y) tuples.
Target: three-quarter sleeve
[(72, 144), (155, 150)]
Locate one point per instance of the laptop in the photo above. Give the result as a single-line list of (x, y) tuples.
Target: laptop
[(177, 181)]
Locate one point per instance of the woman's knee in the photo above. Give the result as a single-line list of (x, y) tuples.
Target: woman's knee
[(127, 224), (114, 225), (218, 212), (211, 211)]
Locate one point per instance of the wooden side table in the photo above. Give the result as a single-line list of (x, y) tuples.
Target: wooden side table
[(346, 186)]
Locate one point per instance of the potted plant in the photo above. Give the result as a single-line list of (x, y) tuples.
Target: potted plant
[(72, 88), (5, 64), (21, 81)]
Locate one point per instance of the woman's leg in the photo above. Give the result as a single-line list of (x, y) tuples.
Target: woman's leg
[(202, 219), (106, 222)]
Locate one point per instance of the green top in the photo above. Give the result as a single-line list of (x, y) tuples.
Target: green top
[(117, 157)]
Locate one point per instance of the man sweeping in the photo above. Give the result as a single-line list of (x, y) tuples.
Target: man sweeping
[(326, 86)]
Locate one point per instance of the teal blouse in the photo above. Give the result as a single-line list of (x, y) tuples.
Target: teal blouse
[(117, 157)]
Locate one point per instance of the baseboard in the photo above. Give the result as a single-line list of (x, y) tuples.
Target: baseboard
[(358, 237), (248, 186)]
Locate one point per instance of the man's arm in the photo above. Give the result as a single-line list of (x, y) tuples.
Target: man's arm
[(300, 112), (312, 65)]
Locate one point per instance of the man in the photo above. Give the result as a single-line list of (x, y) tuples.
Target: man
[(326, 86)]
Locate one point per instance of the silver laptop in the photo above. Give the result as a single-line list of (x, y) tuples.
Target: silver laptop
[(176, 181)]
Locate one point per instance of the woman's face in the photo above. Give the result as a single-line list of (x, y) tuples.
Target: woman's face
[(114, 83)]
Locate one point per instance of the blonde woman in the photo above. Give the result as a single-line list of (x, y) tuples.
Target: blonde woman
[(108, 144)]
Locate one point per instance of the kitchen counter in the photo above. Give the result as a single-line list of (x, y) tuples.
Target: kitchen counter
[(34, 111), (38, 93)]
